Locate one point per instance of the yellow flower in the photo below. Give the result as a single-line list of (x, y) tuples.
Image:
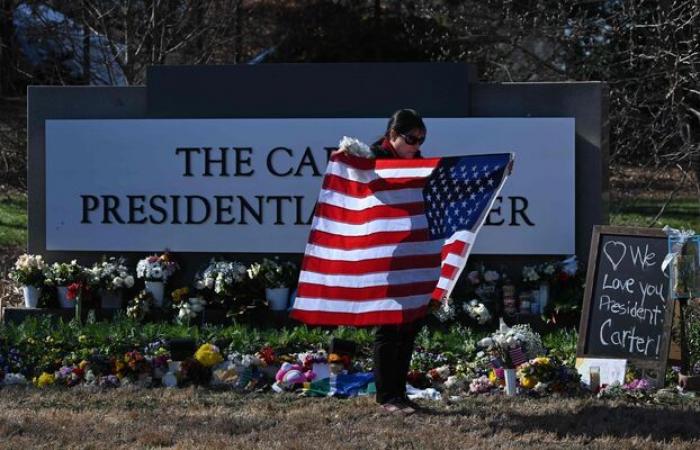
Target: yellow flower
[(43, 380), (83, 364), (542, 360), (492, 377), (208, 355), (82, 339), (179, 295), (528, 382)]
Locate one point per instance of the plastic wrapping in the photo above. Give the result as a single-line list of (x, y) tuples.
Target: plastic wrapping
[(683, 259)]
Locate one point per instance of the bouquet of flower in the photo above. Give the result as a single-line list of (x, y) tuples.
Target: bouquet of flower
[(220, 277), (29, 270), (355, 147), (481, 385), (156, 267), (208, 355), (512, 347), (537, 370), (111, 274), (477, 311), (140, 305), (188, 310), (484, 283), (548, 375), (64, 274), (541, 273), (446, 312), (274, 274)]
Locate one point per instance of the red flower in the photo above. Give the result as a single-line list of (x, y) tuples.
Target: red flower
[(78, 372), (73, 291), (563, 277), (267, 355)]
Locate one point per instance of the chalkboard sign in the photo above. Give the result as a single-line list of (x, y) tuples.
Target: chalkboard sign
[(627, 312)]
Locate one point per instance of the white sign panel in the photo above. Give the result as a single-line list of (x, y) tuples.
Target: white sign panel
[(249, 185)]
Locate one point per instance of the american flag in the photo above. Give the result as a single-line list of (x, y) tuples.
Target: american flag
[(390, 234)]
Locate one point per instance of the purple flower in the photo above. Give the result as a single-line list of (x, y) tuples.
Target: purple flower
[(638, 385)]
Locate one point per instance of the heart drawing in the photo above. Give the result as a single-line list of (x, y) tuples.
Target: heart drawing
[(615, 251)]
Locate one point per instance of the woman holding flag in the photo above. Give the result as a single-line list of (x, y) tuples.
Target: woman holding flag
[(393, 344), (391, 233)]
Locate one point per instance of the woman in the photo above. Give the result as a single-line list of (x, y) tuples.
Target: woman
[(393, 344)]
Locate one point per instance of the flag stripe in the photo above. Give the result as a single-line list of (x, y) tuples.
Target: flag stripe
[(329, 266), (361, 190), (371, 164), (351, 173), (364, 293), (344, 215), (371, 227), (370, 240), (400, 197), (371, 279), (381, 251), (317, 304)]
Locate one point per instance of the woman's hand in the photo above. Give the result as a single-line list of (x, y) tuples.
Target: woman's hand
[(340, 151)]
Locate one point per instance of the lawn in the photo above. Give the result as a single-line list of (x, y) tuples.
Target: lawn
[(680, 213), (189, 418), (13, 220)]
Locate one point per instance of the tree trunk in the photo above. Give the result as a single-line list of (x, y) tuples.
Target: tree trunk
[(8, 51)]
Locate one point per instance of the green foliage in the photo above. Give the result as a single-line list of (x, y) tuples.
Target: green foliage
[(46, 343), (562, 345)]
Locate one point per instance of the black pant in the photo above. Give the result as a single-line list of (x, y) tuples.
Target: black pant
[(393, 347)]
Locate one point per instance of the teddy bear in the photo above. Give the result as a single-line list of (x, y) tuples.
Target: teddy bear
[(290, 375)]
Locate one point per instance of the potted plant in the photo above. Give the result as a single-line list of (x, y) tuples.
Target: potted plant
[(111, 277), (155, 270), (277, 278), (62, 275), (29, 271)]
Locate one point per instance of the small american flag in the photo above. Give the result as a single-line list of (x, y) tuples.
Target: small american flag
[(390, 234), (517, 357)]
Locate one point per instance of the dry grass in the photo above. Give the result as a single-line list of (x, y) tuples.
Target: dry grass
[(190, 418)]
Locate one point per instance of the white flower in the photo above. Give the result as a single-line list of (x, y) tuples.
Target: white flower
[(129, 281), (117, 282), (355, 147), (199, 285), (209, 283), (473, 277), (491, 276), (486, 342)]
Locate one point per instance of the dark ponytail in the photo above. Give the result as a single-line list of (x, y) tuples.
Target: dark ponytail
[(402, 121)]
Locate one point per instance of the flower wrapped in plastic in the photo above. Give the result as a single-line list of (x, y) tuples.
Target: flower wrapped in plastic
[(355, 147), (220, 278), (684, 260), (208, 355), (513, 346), (111, 274), (157, 267), (477, 311), (274, 274)]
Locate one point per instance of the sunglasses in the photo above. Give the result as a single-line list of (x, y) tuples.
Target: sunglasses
[(412, 140)]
